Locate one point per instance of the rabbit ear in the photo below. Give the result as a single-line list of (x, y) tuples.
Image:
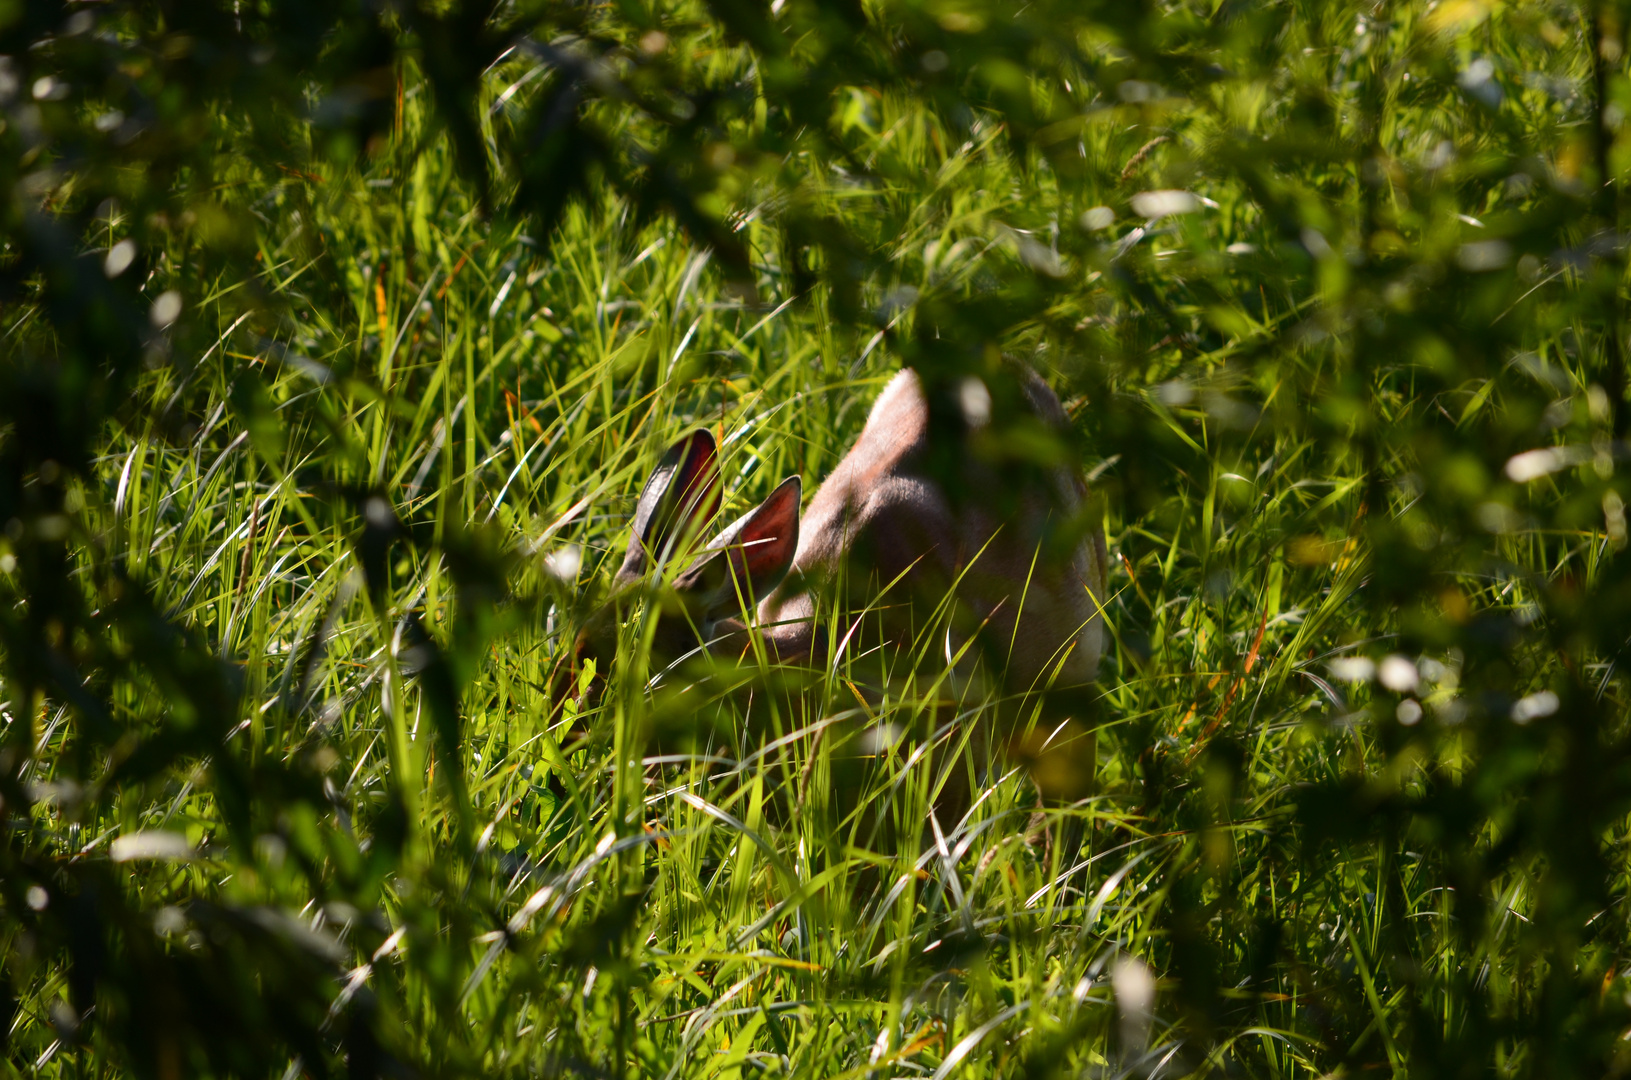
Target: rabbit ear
[(680, 497), (749, 558), (766, 540)]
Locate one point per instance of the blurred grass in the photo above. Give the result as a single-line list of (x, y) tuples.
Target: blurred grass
[(410, 440)]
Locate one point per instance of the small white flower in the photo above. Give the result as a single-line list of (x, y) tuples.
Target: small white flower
[(119, 258), (151, 844), (166, 309), (1353, 669), (1155, 204), (1534, 707), (1134, 985), (976, 402), (1534, 464), (563, 563), (1099, 217), (1398, 674)]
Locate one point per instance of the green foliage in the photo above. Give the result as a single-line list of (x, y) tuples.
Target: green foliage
[(338, 339)]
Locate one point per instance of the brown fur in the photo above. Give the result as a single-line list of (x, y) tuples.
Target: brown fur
[(887, 522), (881, 516)]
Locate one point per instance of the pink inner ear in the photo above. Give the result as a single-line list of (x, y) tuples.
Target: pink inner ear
[(769, 539), (698, 481), (683, 490)]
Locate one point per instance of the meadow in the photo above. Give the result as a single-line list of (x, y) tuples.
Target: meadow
[(338, 342)]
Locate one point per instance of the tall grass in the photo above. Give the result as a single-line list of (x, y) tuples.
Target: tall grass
[(1358, 802)]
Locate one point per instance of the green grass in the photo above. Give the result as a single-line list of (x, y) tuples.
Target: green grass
[(1321, 882)]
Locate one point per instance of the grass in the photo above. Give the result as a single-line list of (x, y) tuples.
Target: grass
[(1320, 880)]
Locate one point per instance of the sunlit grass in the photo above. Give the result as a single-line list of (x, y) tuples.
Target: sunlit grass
[(774, 889)]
